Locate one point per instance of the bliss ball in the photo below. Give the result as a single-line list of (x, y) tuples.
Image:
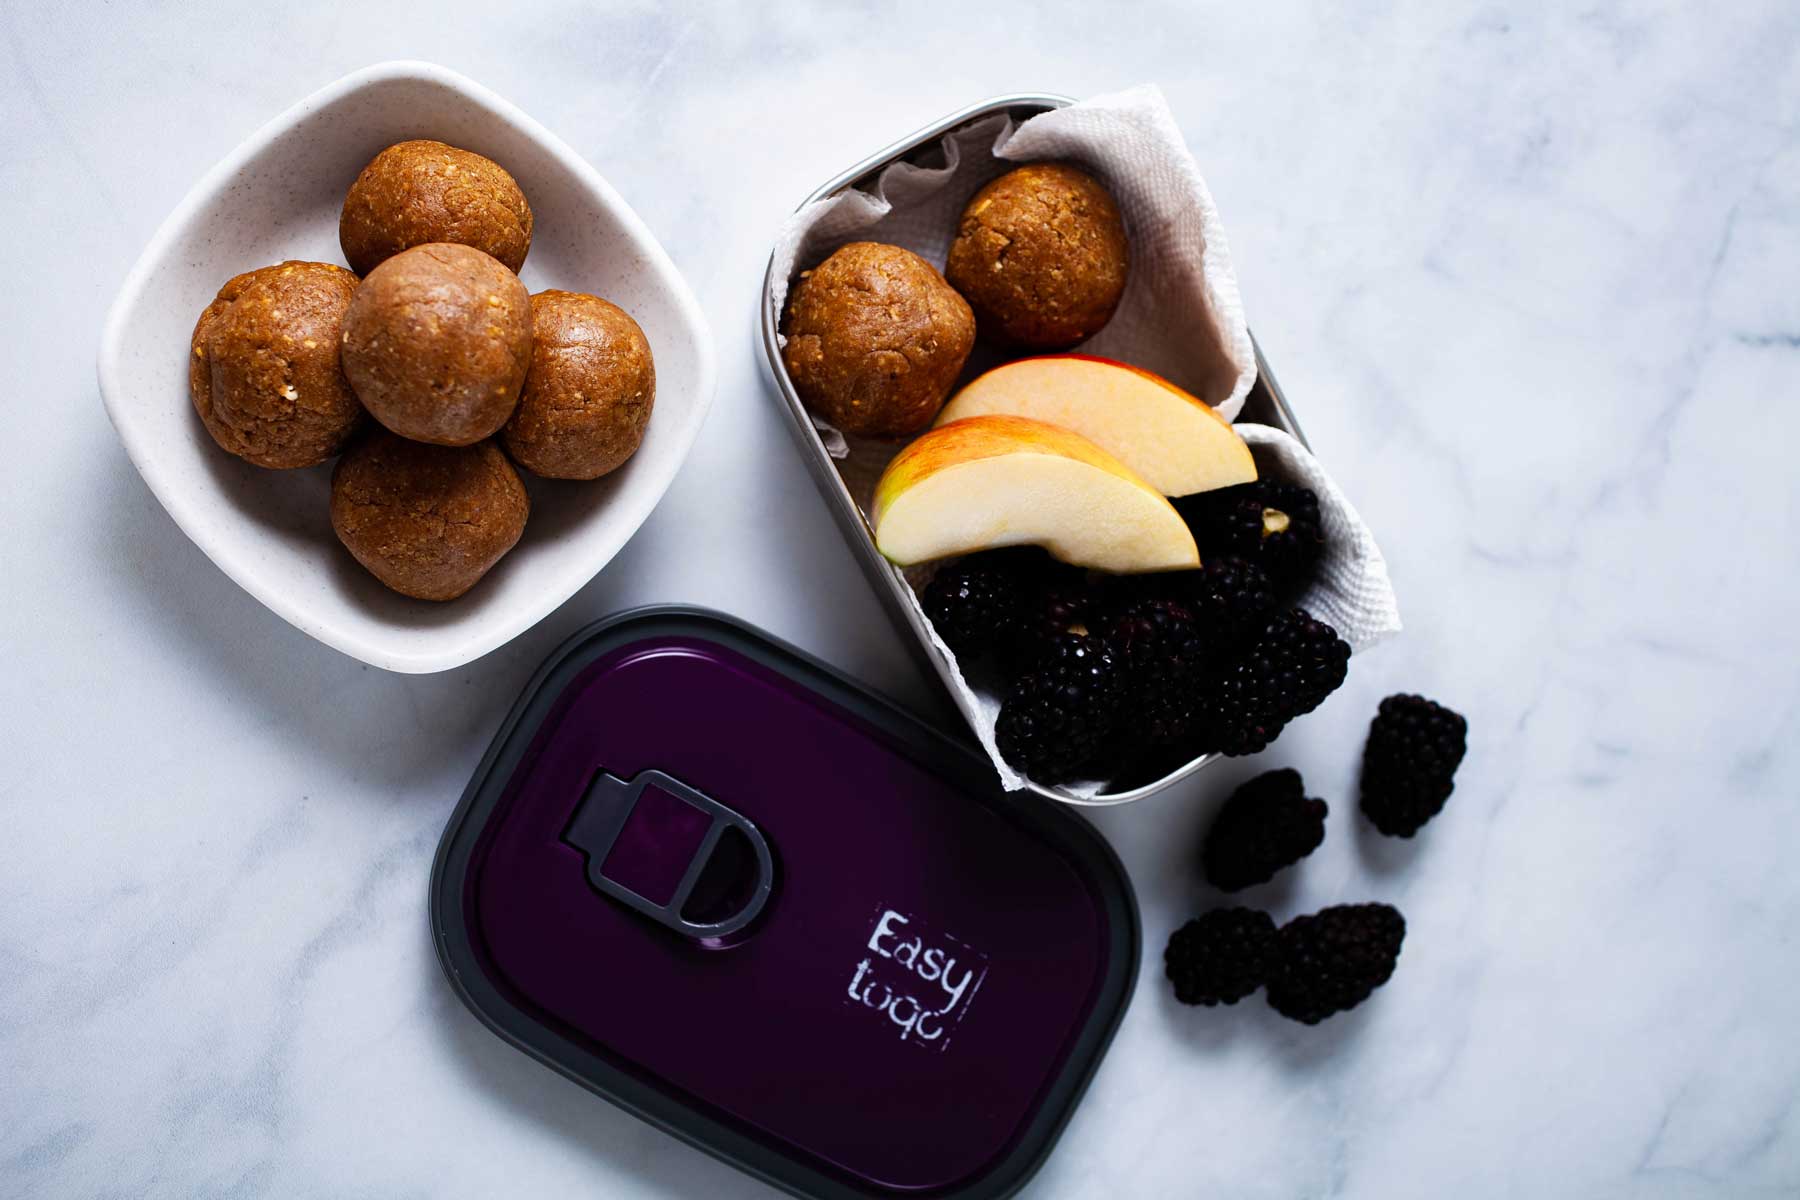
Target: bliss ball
[(428, 521), (875, 340), (422, 191), (1040, 254), (264, 372), (589, 392), (436, 343)]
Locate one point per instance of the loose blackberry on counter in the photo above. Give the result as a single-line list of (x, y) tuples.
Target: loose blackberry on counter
[(1333, 960), (1267, 824), (1293, 665), (1275, 525), (1162, 652), (1221, 956), (1409, 764), (1060, 716)]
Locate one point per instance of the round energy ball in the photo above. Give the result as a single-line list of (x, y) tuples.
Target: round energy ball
[(1040, 254), (418, 192), (876, 339), (436, 343), (264, 372), (589, 392), (428, 521)]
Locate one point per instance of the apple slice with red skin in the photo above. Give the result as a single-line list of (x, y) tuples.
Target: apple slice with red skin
[(1176, 441), (1007, 481)]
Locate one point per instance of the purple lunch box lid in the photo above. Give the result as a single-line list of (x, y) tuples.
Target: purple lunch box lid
[(753, 902)]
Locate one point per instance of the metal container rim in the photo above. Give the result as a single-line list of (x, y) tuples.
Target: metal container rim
[(849, 514)]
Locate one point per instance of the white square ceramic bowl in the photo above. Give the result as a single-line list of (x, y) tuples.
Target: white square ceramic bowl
[(277, 197)]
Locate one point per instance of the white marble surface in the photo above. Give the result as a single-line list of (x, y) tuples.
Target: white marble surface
[(1527, 273)]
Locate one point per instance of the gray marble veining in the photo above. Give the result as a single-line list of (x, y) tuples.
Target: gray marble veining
[(1528, 274)]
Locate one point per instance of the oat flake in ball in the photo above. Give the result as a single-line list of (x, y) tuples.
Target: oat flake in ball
[(589, 392), (436, 343), (423, 191), (264, 372), (428, 521), (875, 340), (1041, 256)]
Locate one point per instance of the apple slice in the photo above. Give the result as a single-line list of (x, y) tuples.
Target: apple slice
[(1174, 440), (1007, 481)]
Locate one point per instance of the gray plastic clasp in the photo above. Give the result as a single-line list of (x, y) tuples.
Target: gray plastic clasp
[(601, 817)]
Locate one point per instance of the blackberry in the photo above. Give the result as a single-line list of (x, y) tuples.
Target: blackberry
[(1140, 764), (1275, 525), (974, 601), (1229, 596), (1162, 653), (1333, 960), (1220, 957), (1056, 600), (1409, 764), (1267, 824), (1060, 716), (1294, 664), (1226, 520)]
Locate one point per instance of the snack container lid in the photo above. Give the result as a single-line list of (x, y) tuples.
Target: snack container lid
[(761, 907)]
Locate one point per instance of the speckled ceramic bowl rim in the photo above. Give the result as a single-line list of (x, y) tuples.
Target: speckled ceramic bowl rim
[(183, 505)]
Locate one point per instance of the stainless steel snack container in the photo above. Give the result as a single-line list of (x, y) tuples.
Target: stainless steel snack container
[(1264, 405)]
